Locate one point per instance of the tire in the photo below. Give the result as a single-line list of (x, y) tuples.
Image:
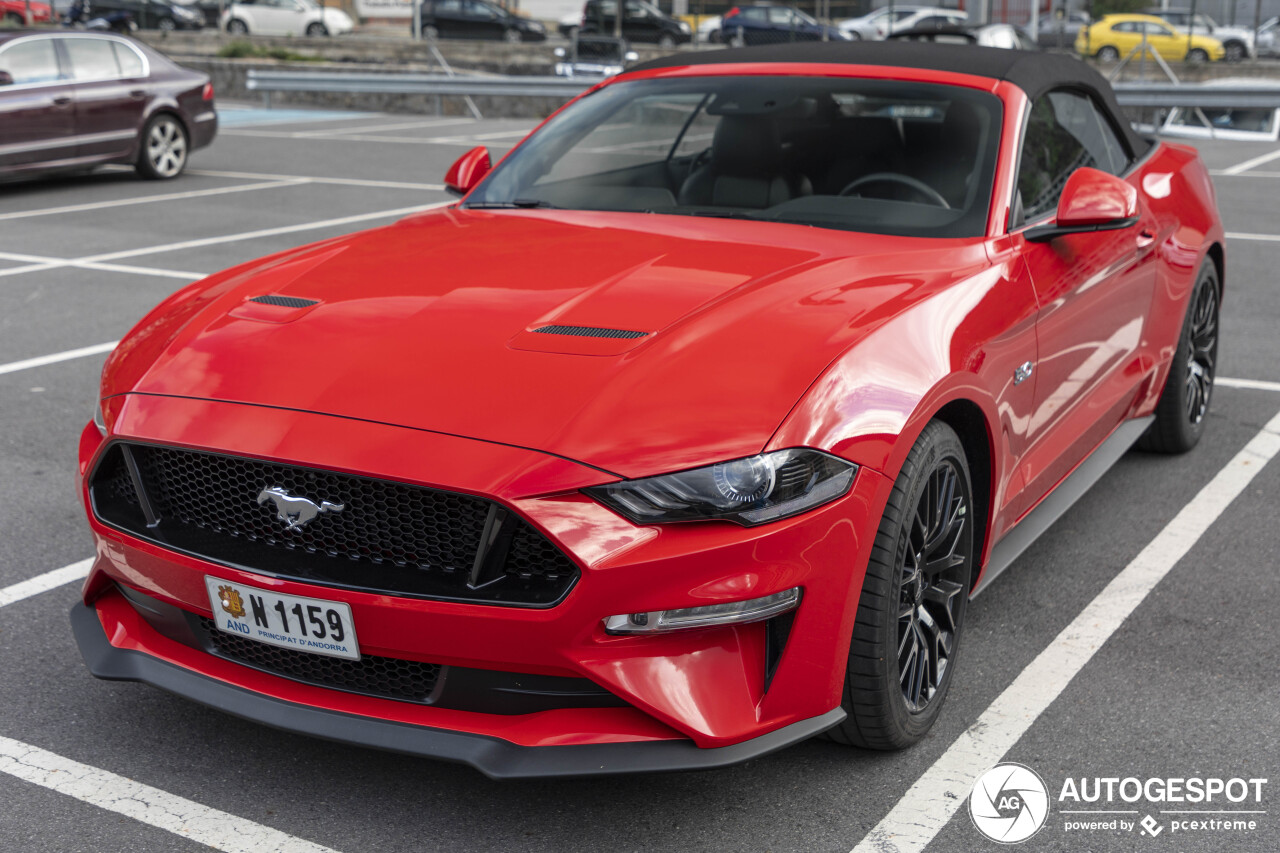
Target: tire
[(163, 148), (237, 27), (1197, 56), (317, 29), (1235, 52), (1184, 402), (666, 40), (13, 19), (901, 610), (713, 37), (430, 33), (1107, 54), (166, 24), (854, 36), (511, 36)]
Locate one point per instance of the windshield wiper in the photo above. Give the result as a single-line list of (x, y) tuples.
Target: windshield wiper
[(515, 204)]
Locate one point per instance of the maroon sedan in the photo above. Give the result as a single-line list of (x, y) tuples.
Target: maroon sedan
[(78, 100)]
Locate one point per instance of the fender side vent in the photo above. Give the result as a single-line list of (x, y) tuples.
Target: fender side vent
[(284, 301), (589, 332)]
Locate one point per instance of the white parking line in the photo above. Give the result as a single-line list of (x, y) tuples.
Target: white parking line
[(1251, 384), (44, 582), (185, 818), (40, 361), (149, 199), (1249, 164), (930, 803), (312, 179), (375, 128), (1240, 235), (99, 261), (355, 137), (41, 262)]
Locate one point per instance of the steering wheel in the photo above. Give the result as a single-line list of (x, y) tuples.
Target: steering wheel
[(896, 178)]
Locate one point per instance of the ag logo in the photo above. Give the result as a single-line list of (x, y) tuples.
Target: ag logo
[(229, 598), (1009, 803)]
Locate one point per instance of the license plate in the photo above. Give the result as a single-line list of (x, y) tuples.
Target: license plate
[(289, 621)]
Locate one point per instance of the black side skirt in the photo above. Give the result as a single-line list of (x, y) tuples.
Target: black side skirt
[(1066, 493), (494, 757)]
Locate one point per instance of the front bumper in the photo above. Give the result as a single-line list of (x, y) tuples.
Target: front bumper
[(689, 693), (493, 756)]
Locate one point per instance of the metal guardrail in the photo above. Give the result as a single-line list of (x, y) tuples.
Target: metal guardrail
[(1128, 94), (1203, 96), (413, 84)]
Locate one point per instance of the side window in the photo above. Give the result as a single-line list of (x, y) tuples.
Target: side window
[(92, 59), (1064, 132), (1125, 27), (31, 62), (130, 63)]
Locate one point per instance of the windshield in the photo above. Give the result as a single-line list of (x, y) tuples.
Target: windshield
[(857, 155)]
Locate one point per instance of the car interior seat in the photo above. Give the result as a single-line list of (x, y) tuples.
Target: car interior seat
[(747, 167)]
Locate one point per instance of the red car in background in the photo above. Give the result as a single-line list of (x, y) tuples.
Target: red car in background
[(78, 100), (14, 12), (686, 435)]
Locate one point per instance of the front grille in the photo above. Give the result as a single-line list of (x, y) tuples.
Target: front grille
[(369, 534), (390, 678)]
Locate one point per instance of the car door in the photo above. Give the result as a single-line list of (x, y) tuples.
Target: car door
[(639, 25), (1094, 289), (450, 20), (37, 110), (483, 21), (109, 105), (1166, 41), (276, 18)]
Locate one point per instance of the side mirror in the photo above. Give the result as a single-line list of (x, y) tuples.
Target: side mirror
[(467, 171), (6, 79), (1091, 201)]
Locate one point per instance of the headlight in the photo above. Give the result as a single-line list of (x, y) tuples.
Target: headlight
[(684, 28), (750, 491)]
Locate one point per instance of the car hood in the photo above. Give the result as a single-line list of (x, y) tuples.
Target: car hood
[(431, 323)]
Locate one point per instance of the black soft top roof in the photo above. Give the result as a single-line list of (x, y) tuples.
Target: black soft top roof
[(1032, 71)]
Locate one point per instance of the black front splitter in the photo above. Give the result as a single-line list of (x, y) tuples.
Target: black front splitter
[(494, 757)]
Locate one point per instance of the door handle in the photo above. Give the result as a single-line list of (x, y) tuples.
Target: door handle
[(1145, 238), (62, 100), (138, 94)]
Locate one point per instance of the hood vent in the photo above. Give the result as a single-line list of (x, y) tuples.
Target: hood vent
[(284, 301), (588, 332)]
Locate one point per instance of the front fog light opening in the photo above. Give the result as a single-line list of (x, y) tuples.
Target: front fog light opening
[(729, 613)]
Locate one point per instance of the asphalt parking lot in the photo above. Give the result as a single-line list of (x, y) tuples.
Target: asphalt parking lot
[(1181, 686)]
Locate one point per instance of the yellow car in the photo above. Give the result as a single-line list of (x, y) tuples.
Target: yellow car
[(1115, 36)]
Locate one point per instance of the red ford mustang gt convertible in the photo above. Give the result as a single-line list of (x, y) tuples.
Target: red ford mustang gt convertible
[(685, 435)]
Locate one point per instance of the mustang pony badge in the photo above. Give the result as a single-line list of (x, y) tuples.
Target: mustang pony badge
[(294, 511), (231, 602)]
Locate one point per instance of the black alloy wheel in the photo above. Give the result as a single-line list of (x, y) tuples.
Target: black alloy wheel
[(914, 596), (1184, 402)]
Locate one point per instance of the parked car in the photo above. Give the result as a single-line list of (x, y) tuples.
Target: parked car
[(151, 14), (1267, 43), (765, 24), (13, 13), (285, 18), (876, 25), (78, 100), (1004, 36), (642, 23), (210, 11), (477, 19), (708, 30), (836, 343), (1116, 36), (904, 18), (593, 57), (1060, 28), (1237, 42)]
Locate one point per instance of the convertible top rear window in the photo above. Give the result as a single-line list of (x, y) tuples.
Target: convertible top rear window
[(876, 156)]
